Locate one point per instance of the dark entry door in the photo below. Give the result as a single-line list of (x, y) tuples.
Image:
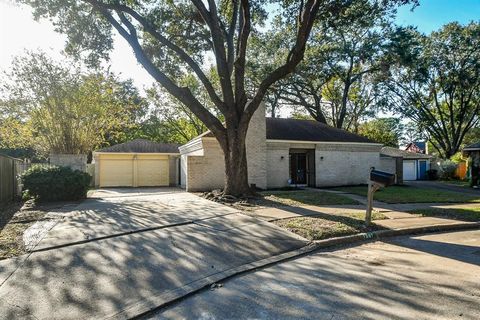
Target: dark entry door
[(422, 170), (298, 168)]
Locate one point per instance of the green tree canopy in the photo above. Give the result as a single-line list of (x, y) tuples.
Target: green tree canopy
[(171, 38), (382, 130), (439, 87), (58, 108), (336, 81)]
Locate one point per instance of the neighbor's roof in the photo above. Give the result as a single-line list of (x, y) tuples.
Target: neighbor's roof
[(309, 130), (472, 147), (394, 152), (420, 144), (142, 146)]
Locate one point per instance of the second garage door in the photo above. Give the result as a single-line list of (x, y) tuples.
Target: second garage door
[(409, 170), (133, 170)]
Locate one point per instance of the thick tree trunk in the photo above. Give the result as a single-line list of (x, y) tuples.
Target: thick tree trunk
[(343, 111), (236, 170)]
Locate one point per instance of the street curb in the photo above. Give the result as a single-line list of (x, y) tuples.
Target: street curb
[(138, 309)]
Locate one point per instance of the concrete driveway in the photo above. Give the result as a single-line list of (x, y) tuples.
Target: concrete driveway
[(117, 211), (433, 276), (125, 246)]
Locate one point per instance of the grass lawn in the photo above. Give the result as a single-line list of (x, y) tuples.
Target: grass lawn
[(409, 194), (470, 214), (303, 197), (326, 226)]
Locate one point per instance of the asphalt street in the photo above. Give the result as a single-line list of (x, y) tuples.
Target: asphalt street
[(435, 276)]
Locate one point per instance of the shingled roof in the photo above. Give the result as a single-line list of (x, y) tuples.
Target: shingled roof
[(309, 130), (472, 147), (394, 152), (142, 146)]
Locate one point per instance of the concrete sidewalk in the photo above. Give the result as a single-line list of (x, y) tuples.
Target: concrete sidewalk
[(103, 277)]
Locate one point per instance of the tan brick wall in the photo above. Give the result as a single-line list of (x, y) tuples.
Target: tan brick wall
[(344, 164), (207, 172), (256, 145), (277, 168), (387, 164)]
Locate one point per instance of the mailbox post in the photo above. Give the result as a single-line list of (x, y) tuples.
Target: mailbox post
[(378, 179)]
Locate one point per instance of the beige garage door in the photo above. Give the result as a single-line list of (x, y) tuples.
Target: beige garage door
[(152, 172), (130, 170)]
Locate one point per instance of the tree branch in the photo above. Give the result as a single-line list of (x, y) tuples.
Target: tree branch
[(181, 93)]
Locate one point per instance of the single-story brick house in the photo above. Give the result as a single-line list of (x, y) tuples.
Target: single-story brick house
[(414, 165), (283, 152)]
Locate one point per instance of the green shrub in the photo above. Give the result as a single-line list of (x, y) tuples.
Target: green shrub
[(55, 183), (447, 170)]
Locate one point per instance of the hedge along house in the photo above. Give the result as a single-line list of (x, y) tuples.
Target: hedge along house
[(137, 163), (283, 152)]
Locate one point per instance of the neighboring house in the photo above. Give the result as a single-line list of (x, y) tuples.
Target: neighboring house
[(283, 152), (418, 147), (137, 163), (473, 153), (415, 165)]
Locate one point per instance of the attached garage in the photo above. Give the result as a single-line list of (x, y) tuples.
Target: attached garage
[(415, 165), (137, 163)]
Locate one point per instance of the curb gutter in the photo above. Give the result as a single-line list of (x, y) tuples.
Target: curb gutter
[(163, 300)]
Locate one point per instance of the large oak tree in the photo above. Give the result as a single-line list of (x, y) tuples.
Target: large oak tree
[(170, 38)]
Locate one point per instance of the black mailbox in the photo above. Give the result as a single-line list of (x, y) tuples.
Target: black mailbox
[(384, 178)]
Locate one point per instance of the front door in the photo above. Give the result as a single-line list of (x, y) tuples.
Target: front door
[(298, 168), (422, 169)]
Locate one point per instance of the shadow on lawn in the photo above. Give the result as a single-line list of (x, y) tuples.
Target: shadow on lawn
[(348, 219)]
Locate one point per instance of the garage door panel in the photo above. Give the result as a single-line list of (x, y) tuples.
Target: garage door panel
[(409, 170), (116, 173), (152, 173), (134, 170)]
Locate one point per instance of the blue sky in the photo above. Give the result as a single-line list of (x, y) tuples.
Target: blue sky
[(432, 14)]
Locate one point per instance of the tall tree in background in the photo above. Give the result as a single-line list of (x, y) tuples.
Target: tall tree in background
[(64, 110), (387, 131), (177, 122), (440, 88), (342, 59), (169, 38)]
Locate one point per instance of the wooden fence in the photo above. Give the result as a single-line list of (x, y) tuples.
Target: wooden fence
[(10, 171), (9, 184)]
